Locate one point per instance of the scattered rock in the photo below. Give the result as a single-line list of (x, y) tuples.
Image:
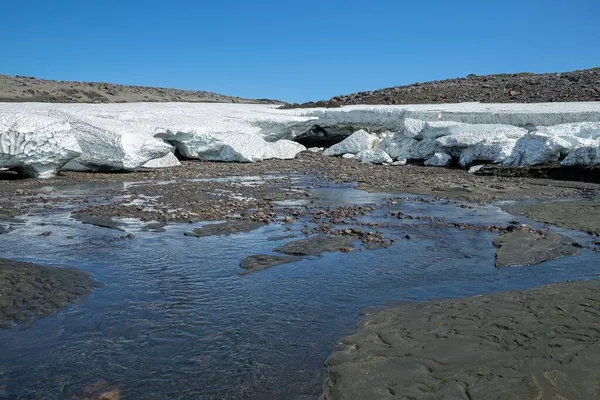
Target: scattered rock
[(533, 88)]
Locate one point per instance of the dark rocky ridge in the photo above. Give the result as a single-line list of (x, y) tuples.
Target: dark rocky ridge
[(583, 85), (29, 89)]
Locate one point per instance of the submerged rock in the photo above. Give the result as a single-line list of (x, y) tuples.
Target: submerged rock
[(316, 245), (263, 261), (29, 290), (96, 220), (225, 228), (523, 248)]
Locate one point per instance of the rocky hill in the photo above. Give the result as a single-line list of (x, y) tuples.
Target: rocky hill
[(30, 89), (524, 87)]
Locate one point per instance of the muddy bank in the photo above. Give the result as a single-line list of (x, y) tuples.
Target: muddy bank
[(540, 343), (29, 290), (581, 215), (554, 171), (523, 248)]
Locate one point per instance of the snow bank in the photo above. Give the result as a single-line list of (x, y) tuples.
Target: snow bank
[(39, 138), (355, 143), (167, 161), (439, 160), (373, 157), (36, 145), (583, 156)]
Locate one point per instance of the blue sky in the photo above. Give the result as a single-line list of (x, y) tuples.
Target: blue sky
[(293, 50)]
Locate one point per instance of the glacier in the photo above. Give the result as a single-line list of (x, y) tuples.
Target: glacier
[(39, 139)]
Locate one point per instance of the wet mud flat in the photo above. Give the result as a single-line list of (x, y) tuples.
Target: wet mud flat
[(583, 215), (536, 344), (28, 290)]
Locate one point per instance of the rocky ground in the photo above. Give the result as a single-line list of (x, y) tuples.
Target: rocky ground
[(537, 344), (523, 87), (201, 191), (31, 89)]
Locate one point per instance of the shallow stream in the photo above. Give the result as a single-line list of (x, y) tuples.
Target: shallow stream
[(176, 321)]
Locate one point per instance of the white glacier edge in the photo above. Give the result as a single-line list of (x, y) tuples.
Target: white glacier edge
[(39, 139)]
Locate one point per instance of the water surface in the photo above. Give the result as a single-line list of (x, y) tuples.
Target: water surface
[(176, 321)]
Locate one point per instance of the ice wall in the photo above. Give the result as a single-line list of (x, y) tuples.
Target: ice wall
[(128, 136)]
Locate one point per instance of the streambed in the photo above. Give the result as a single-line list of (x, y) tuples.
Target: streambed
[(176, 320)]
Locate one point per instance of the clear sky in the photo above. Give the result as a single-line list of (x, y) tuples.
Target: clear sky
[(293, 50)]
